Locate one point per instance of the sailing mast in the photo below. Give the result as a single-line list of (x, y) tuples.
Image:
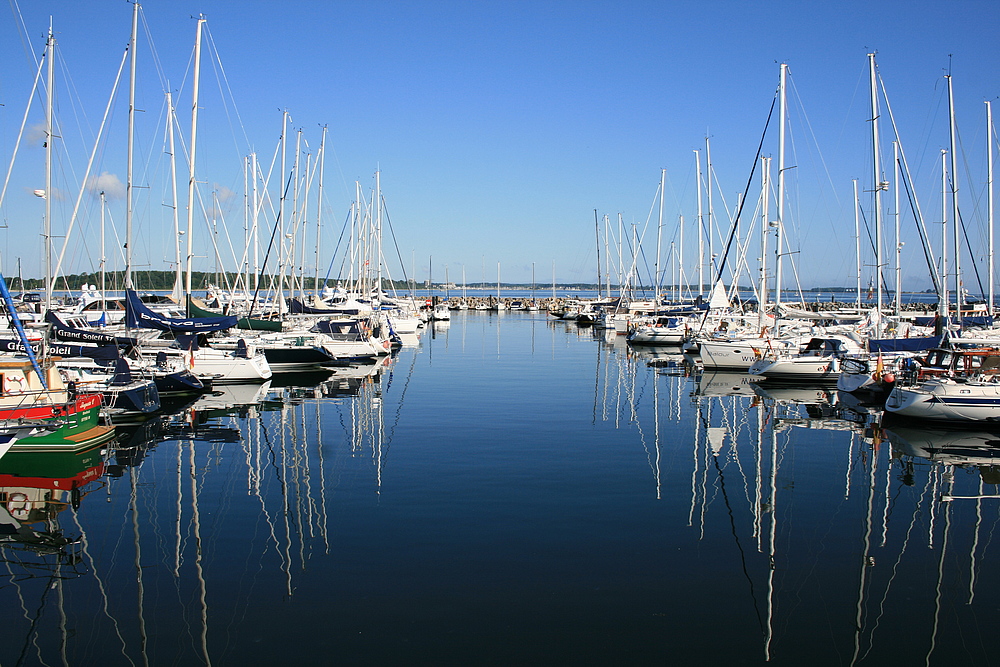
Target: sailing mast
[(944, 299), (607, 260), (989, 194), (131, 143), (701, 235), (319, 205), (877, 192), (103, 262), (191, 156), (959, 298), (857, 245), (379, 212), (50, 47), (659, 235), (282, 196), (711, 212), (779, 230), (178, 276), (899, 244), (765, 228), (597, 233)]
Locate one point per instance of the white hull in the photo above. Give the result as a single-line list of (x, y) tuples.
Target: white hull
[(738, 354), (947, 400), (792, 369), (223, 367), (658, 336), (404, 325), (852, 382), (354, 349)]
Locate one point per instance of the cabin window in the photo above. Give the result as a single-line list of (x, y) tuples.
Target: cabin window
[(940, 359)]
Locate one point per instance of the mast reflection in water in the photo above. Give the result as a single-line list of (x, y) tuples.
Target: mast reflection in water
[(513, 489)]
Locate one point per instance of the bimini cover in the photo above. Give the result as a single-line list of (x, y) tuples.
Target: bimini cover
[(139, 316)]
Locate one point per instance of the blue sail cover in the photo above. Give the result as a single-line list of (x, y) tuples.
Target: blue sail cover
[(60, 331), (98, 353), (139, 316), (903, 344), (965, 321)]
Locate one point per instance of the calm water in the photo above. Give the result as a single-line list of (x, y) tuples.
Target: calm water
[(512, 491)]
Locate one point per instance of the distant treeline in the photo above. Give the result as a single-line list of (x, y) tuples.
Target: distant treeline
[(115, 281), (156, 281), (164, 280)]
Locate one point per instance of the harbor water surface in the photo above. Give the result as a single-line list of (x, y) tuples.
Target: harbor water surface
[(512, 490)]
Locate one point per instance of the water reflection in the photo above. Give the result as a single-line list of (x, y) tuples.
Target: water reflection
[(599, 501), (967, 449), (754, 445), (35, 490)]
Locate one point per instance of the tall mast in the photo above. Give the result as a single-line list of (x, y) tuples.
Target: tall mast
[(701, 235), (256, 219), (679, 290), (296, 214), (989, 194), (191, 156), (877, 192), (281, 210), (243, 271), (659, 232), (319, 205), (765, 228), (104, 298), (50, 47), (377, 254), (178, 275), (945, 294), (621, 267), (597, 232), (956, 224), (711, 212), (607, 258), (131, 142), (857, 244), (780, 230), (899, 243)]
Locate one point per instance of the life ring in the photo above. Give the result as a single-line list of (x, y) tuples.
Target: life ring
[(13, 384), (18, 505)]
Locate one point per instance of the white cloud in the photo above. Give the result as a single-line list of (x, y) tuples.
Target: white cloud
[(110, 184), (222, 193), (36, 134)]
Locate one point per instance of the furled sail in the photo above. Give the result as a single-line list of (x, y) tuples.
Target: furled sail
[(139, 316)]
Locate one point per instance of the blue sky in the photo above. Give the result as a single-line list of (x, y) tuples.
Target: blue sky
[(499, 127)]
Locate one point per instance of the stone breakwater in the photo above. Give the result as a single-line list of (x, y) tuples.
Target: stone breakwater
[(558, 303)]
